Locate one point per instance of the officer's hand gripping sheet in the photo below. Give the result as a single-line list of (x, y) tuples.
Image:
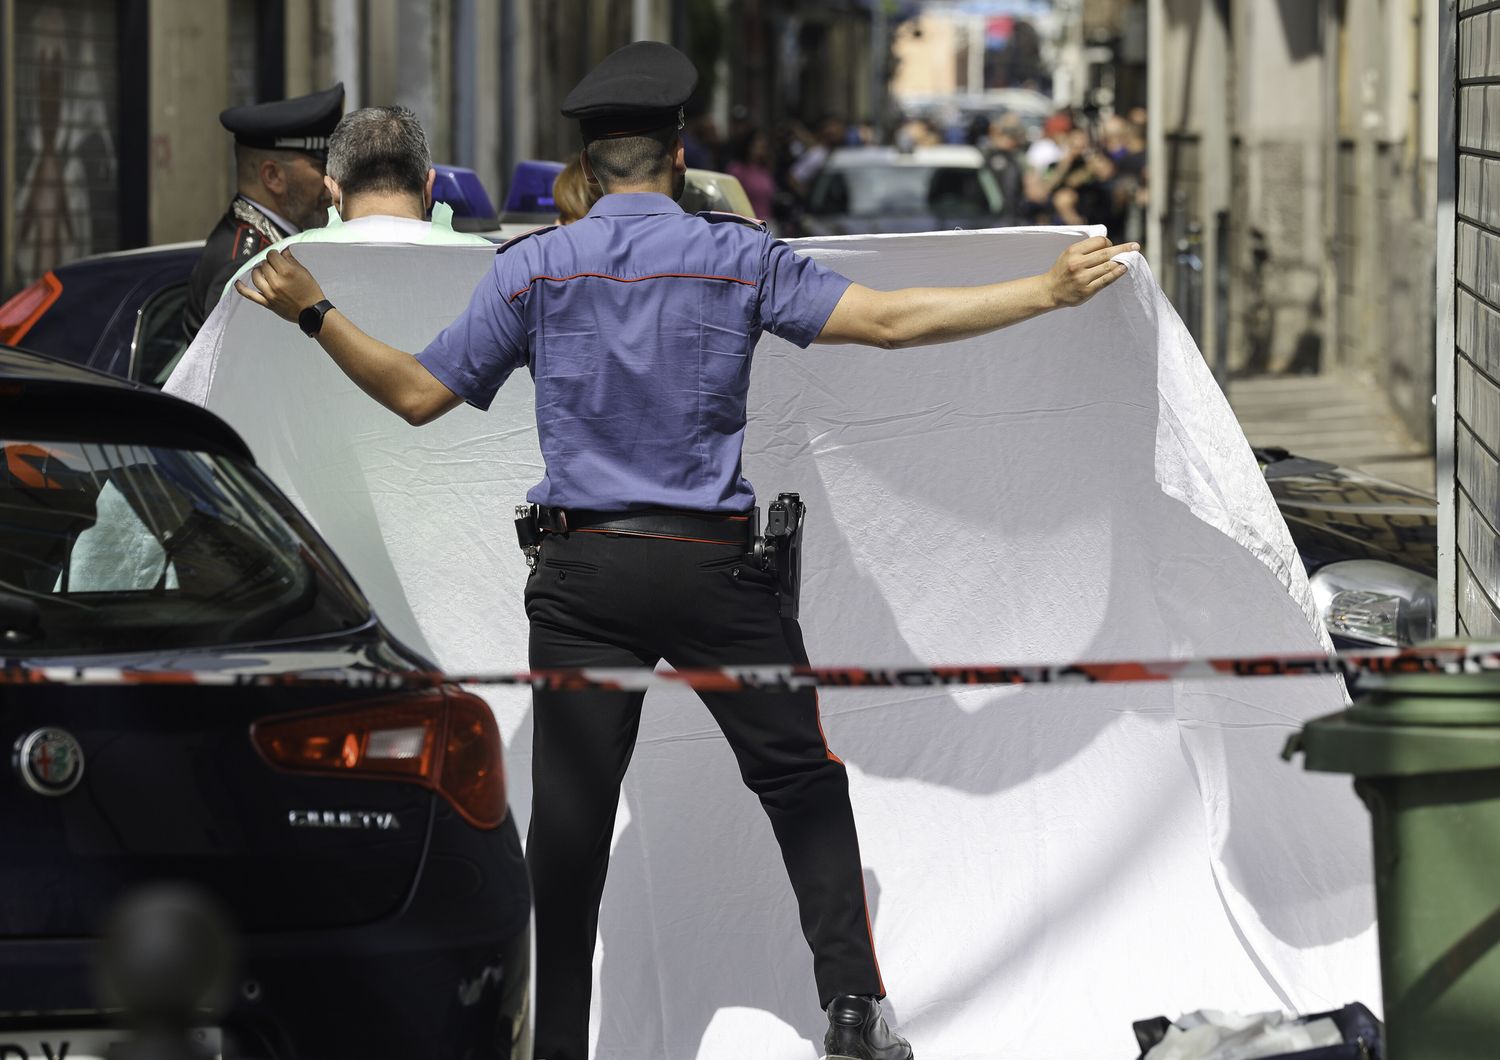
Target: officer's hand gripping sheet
[(1072, 488)]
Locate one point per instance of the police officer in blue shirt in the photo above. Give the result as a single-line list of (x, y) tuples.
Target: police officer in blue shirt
[(637, 324)]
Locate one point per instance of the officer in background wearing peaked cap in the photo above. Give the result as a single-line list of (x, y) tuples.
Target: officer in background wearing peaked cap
[(279, 152), (637, 323)]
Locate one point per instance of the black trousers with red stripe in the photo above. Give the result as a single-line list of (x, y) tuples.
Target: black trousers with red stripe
[(599, 599)]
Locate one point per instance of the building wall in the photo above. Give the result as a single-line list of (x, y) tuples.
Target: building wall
[(1475, 528), (1179, 63), (487, 143), (1330, 184), (926, 51), (1277, 237), (105, 149), (109, 108), (190, 157), (1182, 122), (1384, 240)]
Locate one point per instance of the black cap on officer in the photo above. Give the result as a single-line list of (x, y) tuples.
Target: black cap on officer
[(634, 90), (300, 124)]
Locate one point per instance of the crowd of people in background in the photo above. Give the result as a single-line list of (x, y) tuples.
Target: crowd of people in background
[(1076, 169), (1074, 174)]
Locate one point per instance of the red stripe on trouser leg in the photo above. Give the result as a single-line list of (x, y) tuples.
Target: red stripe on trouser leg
[(818, 707), (601, 598), (864, 894), (870, 930)]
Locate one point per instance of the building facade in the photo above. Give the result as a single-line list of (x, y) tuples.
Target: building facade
[(1299, 177), (1468, 325), (109, 108)]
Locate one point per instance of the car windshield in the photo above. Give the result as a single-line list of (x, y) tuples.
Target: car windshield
[(120, 548), (882, 190)]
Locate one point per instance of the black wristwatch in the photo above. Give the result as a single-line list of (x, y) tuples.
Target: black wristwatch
[(310, 320)]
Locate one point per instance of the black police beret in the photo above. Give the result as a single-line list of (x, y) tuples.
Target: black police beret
[(635, 89), (300, 124)]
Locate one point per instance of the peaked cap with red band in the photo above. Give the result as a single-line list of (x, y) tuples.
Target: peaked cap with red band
[(634, 90)]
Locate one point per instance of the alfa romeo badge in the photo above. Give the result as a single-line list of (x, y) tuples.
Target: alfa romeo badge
[(50, 761)]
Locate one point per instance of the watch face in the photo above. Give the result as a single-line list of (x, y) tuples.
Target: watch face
[(311, 320)]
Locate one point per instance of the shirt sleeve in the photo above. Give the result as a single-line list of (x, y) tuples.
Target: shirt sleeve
[(476, 353), (798, 295)]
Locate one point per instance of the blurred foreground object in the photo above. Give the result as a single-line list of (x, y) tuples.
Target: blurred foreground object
[(168, 960)]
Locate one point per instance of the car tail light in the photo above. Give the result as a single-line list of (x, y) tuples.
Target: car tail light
[(27, 306), (446, 741)]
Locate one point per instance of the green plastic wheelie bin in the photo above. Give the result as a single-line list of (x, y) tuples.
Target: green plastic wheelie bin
[(1424, 751)]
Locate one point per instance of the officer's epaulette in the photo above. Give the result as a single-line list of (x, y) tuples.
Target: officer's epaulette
[(248, 242), (720, 216), (513, 240)]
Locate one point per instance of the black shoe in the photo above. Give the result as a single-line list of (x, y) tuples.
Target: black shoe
[(857, 1031)]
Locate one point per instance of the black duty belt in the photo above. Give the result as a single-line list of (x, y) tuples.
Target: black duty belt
[(779, 549), (708, 527)]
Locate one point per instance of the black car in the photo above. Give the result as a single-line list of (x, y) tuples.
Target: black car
[(359, 840), (1369, 546), (119, 313)]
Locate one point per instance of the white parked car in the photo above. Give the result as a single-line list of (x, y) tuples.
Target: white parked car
[(881, 189)]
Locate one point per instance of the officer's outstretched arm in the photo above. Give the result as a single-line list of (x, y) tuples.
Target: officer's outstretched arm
[(392, 377), (921, 316)]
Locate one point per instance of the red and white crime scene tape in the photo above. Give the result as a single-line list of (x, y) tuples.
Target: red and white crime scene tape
[(1430, 659)]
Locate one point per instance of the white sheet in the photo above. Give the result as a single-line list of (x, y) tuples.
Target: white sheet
[(1044, 865)]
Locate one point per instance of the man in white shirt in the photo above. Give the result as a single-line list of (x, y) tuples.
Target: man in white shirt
[(379, 180), (1047, 151)]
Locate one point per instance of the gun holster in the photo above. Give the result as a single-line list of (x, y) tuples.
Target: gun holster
[(528, 532), (779, 549)]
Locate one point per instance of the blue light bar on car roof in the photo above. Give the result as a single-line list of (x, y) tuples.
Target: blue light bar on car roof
[(462, 189), (531, 187)]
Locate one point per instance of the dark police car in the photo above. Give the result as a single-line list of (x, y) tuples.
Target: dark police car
[(360, 840), (119, 313)]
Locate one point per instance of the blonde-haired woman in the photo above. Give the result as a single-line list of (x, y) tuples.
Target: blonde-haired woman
[(572, 193)]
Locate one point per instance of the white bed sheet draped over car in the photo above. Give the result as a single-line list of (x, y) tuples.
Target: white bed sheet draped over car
[(1044, 865)]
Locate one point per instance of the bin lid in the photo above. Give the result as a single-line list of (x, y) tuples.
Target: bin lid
[(1429, 698), (1403, 724), (1341, 743)]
